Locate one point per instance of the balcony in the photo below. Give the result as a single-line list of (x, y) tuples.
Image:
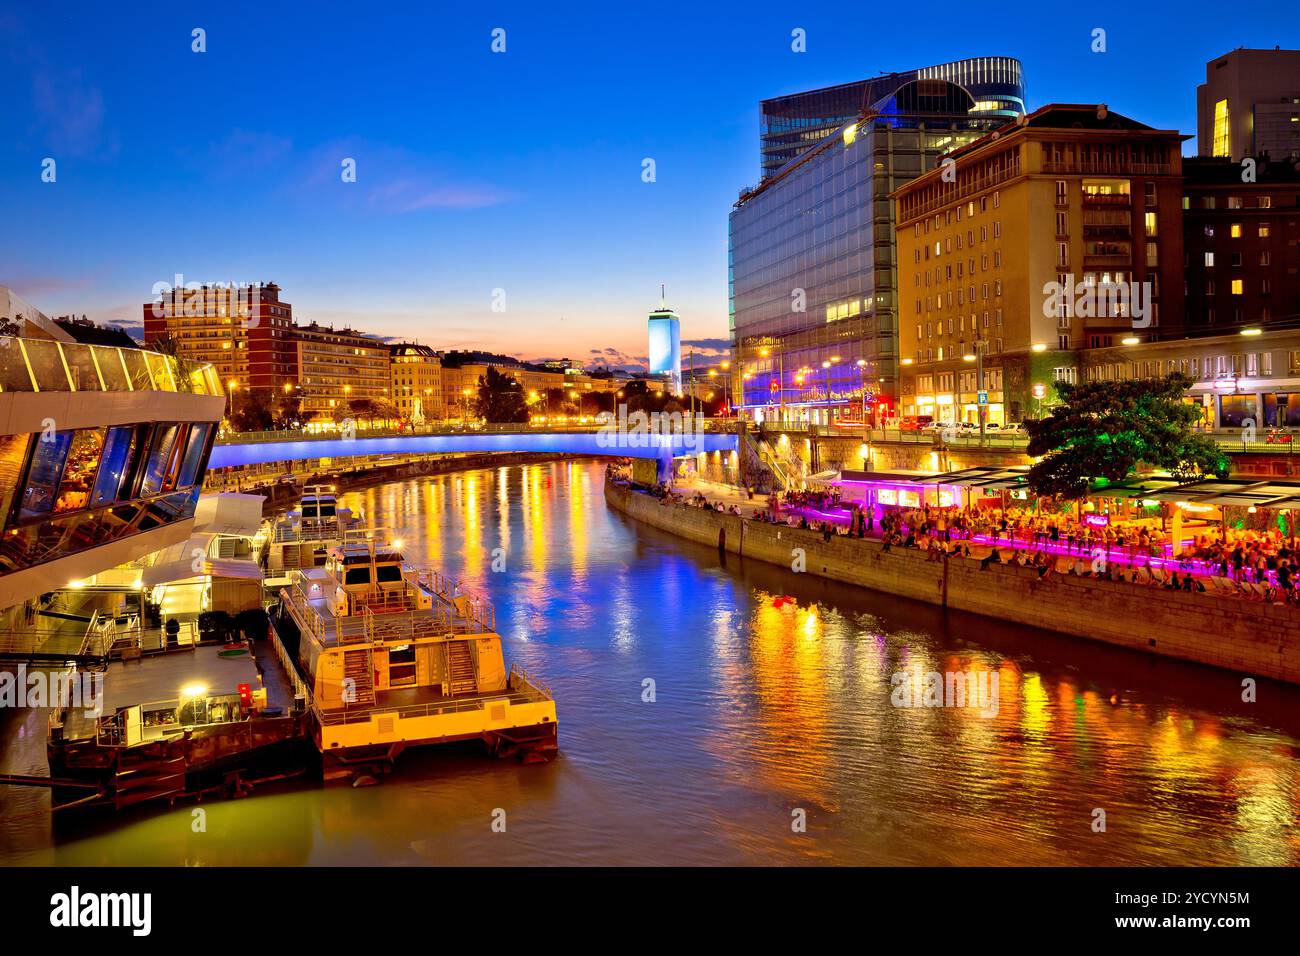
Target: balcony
[(1107, 199), (1106, 169)]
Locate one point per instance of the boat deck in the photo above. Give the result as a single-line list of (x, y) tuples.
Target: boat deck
[(160, 677)]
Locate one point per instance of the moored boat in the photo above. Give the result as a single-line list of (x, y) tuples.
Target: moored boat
[(391, 656)]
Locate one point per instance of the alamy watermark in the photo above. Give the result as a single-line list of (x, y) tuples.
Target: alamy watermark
[(180, 298), (642, 430), (80, 689), (1069, 299), (973, 690)]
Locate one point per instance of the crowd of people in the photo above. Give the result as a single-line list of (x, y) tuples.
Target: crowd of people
[(1257, 564)]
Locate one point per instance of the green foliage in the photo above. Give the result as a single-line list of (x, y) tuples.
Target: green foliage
[(1105, 430), (500, 399)]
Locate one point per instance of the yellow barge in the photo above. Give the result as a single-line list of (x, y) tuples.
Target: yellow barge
[(390, 656)]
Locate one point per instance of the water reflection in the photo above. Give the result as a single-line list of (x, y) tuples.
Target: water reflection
[(772, 697)]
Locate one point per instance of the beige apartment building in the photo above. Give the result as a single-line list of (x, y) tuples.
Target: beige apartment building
[(1058, 233), (336, 366)]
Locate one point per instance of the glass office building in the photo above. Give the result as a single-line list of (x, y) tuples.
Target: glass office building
[(791, 125), (813, 282)]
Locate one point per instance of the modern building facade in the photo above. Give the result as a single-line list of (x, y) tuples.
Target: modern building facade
[(792, 125), (665, 347), (337, 366), (813, 275), (1249, 105), (244, 332), (1242, 244), (118, 478), (1240, 381), (1059, 233), (416, 373)]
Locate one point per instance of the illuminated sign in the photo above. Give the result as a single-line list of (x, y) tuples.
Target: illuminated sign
[(1097, 521), (665, 344)]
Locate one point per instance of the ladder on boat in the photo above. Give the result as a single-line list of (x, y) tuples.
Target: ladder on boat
[(460, 668)]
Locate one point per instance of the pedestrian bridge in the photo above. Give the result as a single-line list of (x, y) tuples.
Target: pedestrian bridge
[(264, 447)]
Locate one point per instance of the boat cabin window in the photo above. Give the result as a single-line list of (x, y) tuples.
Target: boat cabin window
[(388, 573), (327, 509), (359, 575), (308, 511)]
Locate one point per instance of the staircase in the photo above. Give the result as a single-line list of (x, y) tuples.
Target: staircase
[(359, 667), (148, 779), (460, 668)]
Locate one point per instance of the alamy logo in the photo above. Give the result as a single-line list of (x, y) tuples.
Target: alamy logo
[(974, 690), (39, 689), (74, 908), (1068, 299), (180, 298), (639, 430)]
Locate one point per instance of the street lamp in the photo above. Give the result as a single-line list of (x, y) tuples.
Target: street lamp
[(980, 345)]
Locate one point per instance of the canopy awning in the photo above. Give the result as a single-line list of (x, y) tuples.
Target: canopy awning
[(824, 477), (229, 513)]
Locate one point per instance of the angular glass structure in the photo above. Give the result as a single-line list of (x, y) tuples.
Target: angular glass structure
[(813, 283)]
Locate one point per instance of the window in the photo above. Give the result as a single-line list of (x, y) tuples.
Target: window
[(1234, 230), (43, 476), (1063, 254), (194, 450), (1263, 230), (1060, 192), (161, 460), (1149, 191), (1149, 220), (1237, 287), (1209, 260), (1062, 223), (79, 472)]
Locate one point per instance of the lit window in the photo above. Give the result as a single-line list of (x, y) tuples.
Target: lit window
[(1221, 131)]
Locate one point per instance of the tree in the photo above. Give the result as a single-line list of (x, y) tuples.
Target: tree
[(252, 411), (500, 398), (1106, 429)]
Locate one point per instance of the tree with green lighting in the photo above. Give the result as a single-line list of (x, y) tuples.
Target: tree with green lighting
[(1105, 430)]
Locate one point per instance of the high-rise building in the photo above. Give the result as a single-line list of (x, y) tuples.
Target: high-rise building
[(814, 321), (1242, 244), (337, 367), (417, 390), (1058, 233), (665, 346), (791, 125), (1249, 105), (244, 332)]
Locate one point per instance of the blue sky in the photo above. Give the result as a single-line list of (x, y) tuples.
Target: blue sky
[(478, 171)]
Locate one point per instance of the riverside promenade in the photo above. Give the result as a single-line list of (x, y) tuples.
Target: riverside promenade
[(1254, 638)]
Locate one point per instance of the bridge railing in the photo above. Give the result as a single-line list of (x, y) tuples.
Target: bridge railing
[(710, 425)]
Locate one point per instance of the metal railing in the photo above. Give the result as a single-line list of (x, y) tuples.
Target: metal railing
[(711, 425)]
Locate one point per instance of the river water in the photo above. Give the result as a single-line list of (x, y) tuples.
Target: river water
[(771, 736)]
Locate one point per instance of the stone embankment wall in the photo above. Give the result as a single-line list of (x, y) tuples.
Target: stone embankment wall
[(1254, 638)]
